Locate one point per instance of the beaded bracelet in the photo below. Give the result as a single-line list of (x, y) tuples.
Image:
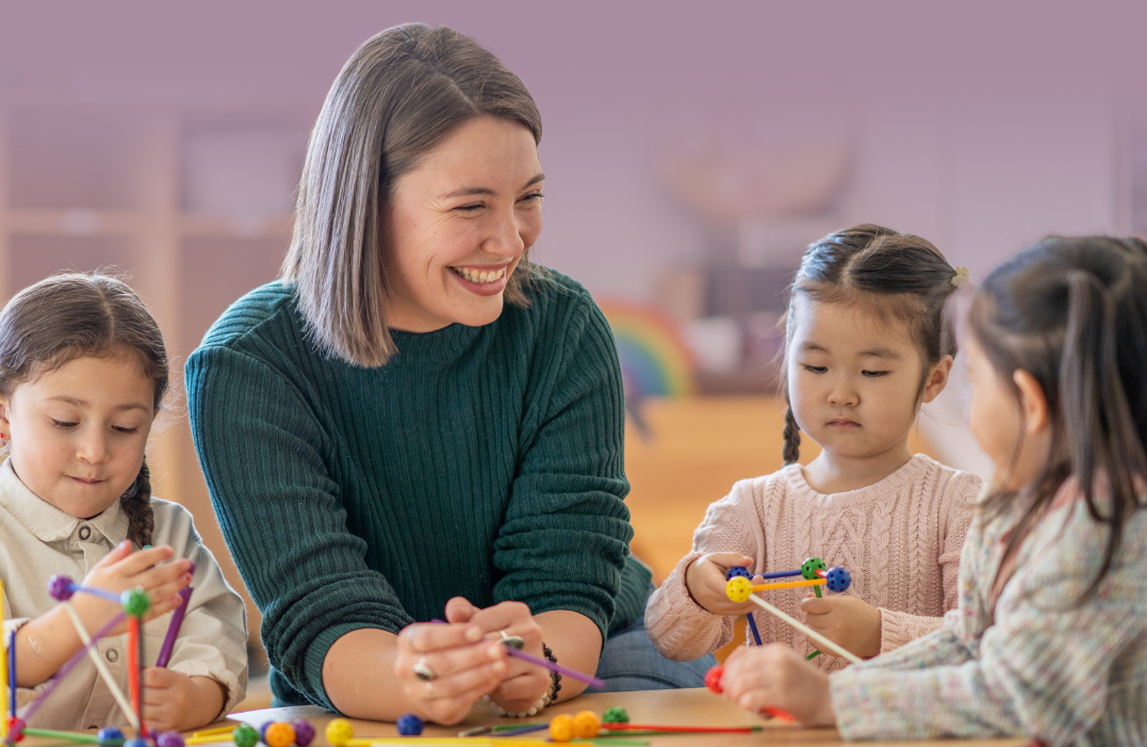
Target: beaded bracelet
[(543, 702)]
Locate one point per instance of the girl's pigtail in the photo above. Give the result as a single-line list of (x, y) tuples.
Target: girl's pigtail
[(792, 448), (1099, 431), (136, 503)]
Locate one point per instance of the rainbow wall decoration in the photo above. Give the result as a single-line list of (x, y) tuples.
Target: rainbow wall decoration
[(654, 358)]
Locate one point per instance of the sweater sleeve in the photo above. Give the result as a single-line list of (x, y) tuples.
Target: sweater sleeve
[(564, 542), (261, 449), (680, 628), (1042, 670), (897, 627)]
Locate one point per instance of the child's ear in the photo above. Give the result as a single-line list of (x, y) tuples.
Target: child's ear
[(1033, 401), (4, 416), (937, 379)]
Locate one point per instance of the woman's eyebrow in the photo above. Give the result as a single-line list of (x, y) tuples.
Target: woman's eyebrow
[(472, 191)]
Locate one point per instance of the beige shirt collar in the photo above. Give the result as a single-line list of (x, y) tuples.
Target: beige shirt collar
[(49, 523)]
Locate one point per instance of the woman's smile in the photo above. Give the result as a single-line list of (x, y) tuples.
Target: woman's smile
[(483, 280)]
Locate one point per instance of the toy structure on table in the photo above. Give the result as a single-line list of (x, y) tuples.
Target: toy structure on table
[(813, 572), (134, 604)]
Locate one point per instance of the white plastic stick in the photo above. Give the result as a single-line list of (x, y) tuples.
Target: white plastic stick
[(120, 698), (824, 642)]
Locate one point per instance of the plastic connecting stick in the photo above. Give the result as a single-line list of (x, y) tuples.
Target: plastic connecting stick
[(753, 628), (587, 678), (825, 643), (173, 629), (68, 666), (89, 645), (790, 584), (69, 736)]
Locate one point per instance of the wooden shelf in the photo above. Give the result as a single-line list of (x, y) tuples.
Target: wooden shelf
[(235, 226), (87, 186), (76, 222)]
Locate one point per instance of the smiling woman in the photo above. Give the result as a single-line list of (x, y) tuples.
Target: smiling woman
[(459, 224), (436, 422)]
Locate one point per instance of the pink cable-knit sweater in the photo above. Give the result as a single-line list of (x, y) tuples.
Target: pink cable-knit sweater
[(900, 539)]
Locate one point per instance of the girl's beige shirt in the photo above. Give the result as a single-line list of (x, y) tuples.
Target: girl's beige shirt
[(37, 541)]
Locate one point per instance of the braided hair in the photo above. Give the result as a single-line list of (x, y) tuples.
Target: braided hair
[(74, 315)]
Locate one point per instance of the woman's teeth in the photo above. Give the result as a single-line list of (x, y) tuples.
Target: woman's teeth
[(481, 277)]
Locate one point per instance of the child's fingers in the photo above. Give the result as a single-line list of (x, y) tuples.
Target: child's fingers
[(814, 606), (167, 574), (162, 606), (118, 553), (157, 678), (168, 588), (136, 562), (726, 560)]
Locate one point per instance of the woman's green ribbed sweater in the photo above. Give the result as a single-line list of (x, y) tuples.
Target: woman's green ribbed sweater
[(484, 462)]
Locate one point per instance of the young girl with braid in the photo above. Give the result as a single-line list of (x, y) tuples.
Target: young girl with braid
[(83, 371), (866, 343)]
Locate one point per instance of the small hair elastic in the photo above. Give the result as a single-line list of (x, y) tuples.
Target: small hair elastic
[(960, 278)]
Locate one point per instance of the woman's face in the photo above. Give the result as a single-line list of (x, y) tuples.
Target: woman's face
[(459, 223)]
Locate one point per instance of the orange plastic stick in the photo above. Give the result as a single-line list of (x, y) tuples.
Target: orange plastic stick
[(790, 584)]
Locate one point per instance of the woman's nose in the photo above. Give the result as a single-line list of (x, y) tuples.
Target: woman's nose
[(505, 237)]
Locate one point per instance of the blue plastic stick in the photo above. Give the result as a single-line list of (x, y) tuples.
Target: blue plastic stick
[(779, 574), (98, 593), (12, 673), (753, 628)]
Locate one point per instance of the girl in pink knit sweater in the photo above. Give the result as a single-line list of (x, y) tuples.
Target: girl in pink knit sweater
[(1050, 638), (866, 345)]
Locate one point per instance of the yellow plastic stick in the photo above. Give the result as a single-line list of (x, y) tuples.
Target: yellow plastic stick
[(220, 738), (790, 584), (208, 732), (824, 642)]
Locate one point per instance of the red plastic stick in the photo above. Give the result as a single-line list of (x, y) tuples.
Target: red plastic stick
[(133, 665)]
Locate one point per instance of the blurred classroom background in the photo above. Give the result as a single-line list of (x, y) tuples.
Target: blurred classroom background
[(691, 155)]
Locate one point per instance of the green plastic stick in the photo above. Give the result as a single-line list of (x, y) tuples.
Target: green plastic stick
[(70, 736)]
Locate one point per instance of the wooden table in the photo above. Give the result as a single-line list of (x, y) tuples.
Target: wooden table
[(690, 707)]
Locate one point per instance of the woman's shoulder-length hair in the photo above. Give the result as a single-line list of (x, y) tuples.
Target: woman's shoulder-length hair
[(398, 96)]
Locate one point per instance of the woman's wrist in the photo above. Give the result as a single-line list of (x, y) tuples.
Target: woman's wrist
[(550, 696)]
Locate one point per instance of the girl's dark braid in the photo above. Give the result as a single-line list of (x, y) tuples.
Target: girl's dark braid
[(136, 503), (792, 449)]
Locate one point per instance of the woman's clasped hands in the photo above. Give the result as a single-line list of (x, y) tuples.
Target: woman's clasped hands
[(445, 668)]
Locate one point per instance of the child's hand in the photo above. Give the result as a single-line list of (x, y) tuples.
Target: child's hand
[(761, 678), (122, 569), (705, 580), (848, 621), (174, 701)]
